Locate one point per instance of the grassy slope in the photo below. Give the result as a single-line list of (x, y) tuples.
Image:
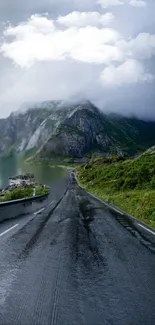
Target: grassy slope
[(21, 193), (129, 184)]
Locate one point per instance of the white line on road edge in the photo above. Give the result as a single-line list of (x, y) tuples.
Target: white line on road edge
[(6, 231), (152, 232), (111, 207), (118, 211), (39, 211)]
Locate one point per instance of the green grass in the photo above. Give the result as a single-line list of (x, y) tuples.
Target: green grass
[(20, 193), (127, 183)]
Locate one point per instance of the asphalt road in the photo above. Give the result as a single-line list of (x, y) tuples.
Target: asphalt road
[(76, 263)]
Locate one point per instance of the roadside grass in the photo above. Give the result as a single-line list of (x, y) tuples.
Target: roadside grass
[(128, 184), (20, 193)]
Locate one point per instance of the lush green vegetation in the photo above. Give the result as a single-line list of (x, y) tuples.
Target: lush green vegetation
[(127, 183), (20, 193)]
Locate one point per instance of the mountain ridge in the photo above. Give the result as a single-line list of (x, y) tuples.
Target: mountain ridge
[(74, 130)]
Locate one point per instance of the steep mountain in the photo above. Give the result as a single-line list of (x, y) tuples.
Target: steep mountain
[(28, 129), (86, 130), (73, 130)]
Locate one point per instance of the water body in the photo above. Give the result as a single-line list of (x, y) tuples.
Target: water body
[(13, 165)]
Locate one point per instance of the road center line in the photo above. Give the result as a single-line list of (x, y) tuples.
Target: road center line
[(152, 232), (6, 231), (39, 211)]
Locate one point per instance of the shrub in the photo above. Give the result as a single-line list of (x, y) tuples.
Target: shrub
[(152, 183), (20, 193), (130, 183)]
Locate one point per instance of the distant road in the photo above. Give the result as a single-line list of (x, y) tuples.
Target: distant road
[(75, 263)]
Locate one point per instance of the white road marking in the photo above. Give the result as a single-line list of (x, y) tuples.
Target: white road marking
[(6, 231), (118, 211), (111, 207), (39, 211), (152, 232)]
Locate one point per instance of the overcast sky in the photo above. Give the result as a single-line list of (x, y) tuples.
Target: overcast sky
[(101, 50)]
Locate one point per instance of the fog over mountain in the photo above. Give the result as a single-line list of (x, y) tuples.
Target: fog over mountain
[(101, 50)]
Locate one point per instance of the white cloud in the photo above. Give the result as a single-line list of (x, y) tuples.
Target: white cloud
[(67, 59), (130, 72), (137, 3), (36, 24), (101, 50), (110, 3), (38, 40), (82, 19), (140, 47)]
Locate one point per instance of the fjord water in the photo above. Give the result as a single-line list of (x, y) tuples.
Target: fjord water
[(13, 165)]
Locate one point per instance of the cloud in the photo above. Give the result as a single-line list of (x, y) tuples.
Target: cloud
[(42, 58), (83, 19), (36, 24), (140, 47), (130, 72), (111, 3), (137, 3), (39, 40)]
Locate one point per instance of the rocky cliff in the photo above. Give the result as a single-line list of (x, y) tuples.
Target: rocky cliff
[(74, 130)]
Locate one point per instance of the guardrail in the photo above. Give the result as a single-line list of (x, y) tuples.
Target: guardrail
[(15, 208)]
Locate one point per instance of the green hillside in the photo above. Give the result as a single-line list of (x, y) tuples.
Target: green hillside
[(127, 183)]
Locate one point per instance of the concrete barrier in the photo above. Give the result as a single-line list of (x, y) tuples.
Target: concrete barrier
[(15, 208)]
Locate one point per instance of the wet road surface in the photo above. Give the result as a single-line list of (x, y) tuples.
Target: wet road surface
[(75, 263)]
